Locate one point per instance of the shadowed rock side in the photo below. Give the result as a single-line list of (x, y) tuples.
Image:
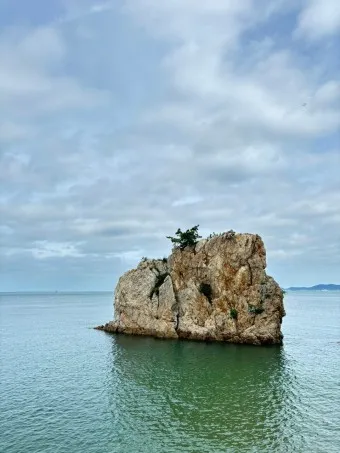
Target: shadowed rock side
[(217, 290)]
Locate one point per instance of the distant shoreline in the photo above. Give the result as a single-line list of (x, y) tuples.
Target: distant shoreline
[(320, 287)]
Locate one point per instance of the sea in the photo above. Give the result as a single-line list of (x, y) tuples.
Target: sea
[(67, 388)]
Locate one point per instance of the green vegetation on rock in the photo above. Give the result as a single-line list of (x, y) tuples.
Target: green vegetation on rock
[(233, 313), (186, 238), (255, 310)]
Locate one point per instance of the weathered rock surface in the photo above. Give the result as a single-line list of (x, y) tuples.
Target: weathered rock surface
[(217, 290)]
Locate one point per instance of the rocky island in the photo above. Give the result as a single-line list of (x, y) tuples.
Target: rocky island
[(214, 290)]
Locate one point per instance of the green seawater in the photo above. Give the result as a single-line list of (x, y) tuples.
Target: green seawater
[(68, 388)]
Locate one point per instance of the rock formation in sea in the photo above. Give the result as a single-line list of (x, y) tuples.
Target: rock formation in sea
[(217, 290)]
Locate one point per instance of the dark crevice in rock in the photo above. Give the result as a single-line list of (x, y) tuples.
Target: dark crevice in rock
[(250, 273), (160, 279), (177, 321), (206, 290), (175, 307), (252, 252), (253, 248)]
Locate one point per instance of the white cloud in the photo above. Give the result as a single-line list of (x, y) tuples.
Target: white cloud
[(192, 19), (101, 7), (10, 131), (328, 94), (284, 254), (41, 46), (274, 94), (187, 200), (130, 257), (233, 127), (30, 85), (46, 249), (319, 19)]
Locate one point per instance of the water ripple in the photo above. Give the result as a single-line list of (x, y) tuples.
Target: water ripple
[(65, 388)]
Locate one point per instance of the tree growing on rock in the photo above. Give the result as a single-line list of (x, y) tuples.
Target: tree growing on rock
[(187, 238)]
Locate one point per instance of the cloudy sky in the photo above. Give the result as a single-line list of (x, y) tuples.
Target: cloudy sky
[(122, 120)]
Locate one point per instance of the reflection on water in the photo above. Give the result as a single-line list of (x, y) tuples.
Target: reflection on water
[(197, 397), (67, 388)]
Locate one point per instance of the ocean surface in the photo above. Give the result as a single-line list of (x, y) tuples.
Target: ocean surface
[(66, 388)]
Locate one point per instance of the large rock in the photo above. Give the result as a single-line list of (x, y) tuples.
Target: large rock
[(217, 290)]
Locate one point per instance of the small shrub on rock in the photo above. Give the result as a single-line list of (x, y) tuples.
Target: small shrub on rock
[(186, 238), (230, 234), (214, 235), (255, 310)]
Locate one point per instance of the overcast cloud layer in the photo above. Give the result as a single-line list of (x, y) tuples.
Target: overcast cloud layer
[(121, 121)]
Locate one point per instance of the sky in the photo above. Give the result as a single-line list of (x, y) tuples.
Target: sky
[(122, 120)]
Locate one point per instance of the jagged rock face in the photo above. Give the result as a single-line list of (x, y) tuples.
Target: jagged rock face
[(217, 290)]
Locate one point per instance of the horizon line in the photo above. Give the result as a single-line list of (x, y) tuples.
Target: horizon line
[(50, 291)]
